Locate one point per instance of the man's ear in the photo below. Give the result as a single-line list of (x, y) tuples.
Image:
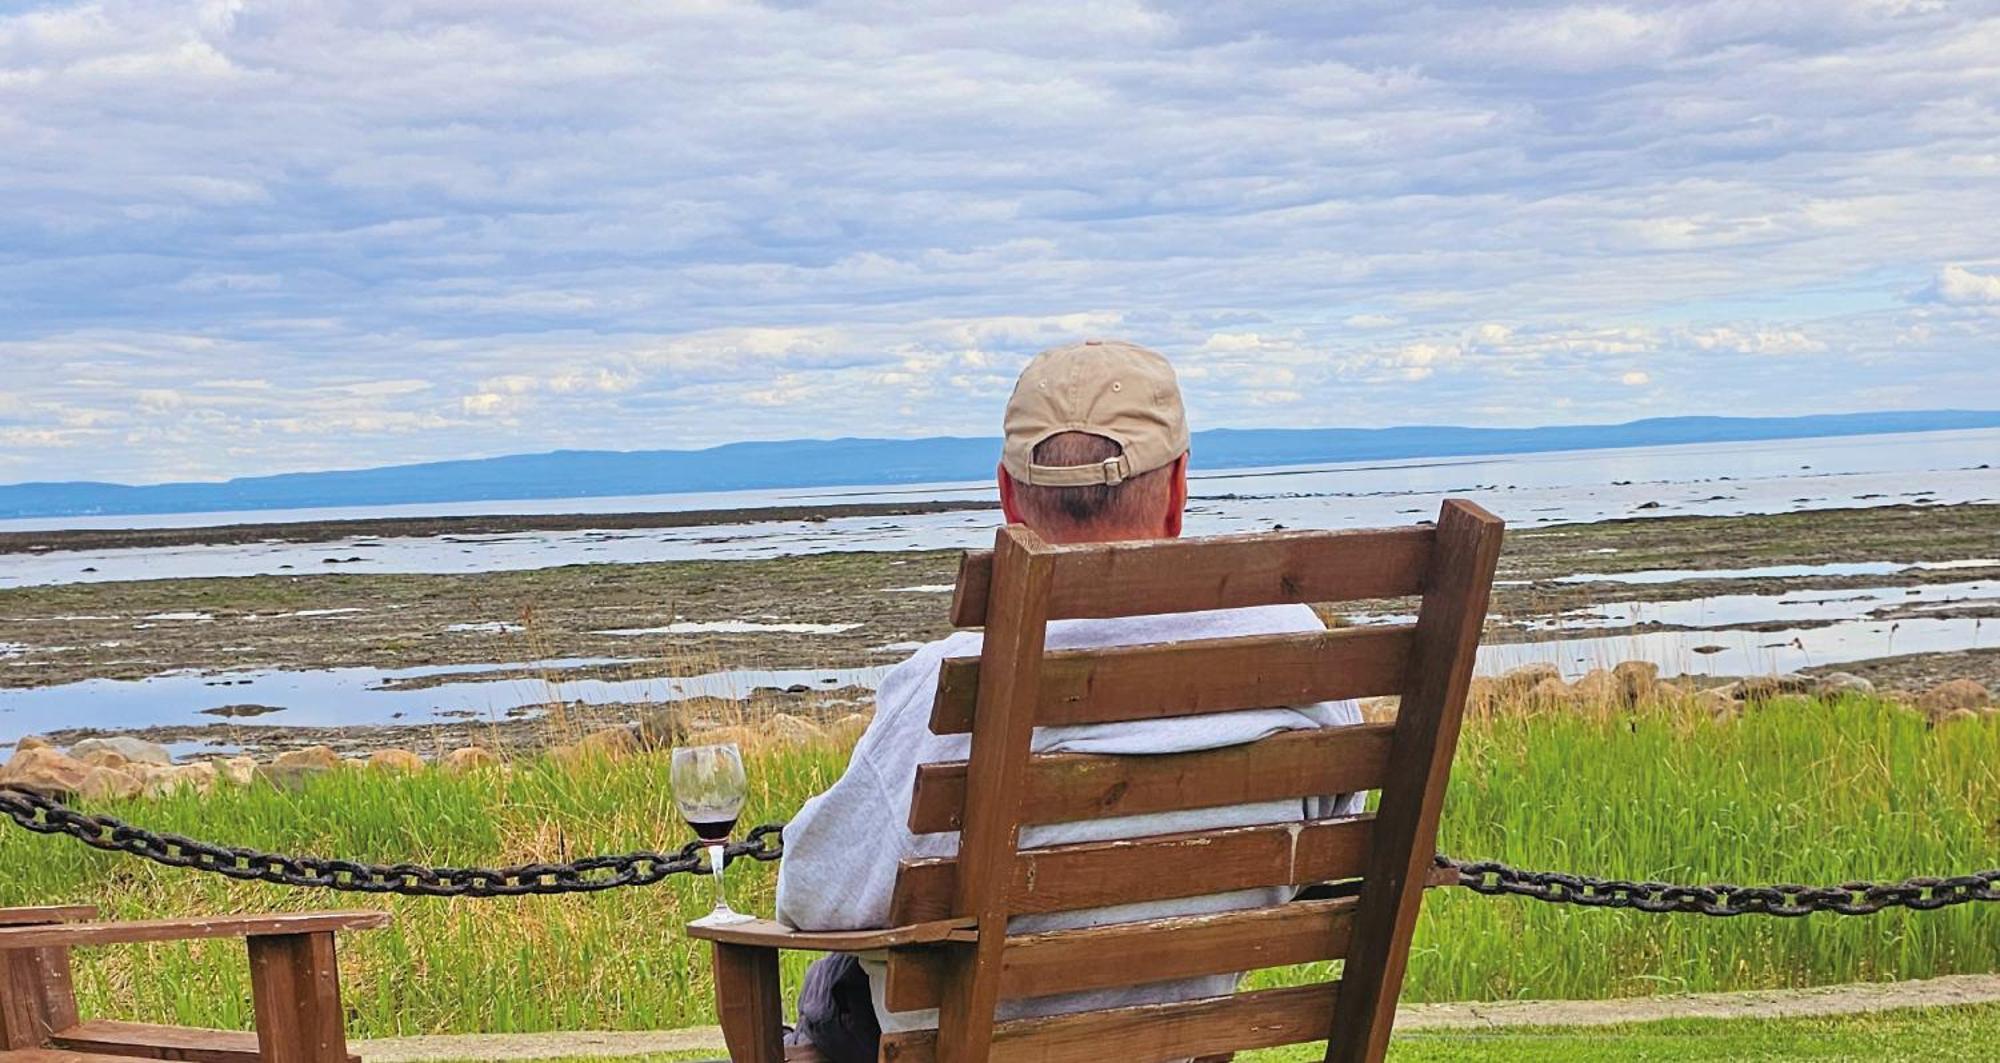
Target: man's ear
[(1010, 505), (1177, 507)]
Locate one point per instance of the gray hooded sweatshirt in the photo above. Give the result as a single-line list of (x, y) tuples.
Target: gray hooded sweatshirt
[(843, 849)]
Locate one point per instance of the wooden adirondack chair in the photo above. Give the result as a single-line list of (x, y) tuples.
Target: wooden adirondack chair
[(294, 981), (950, 948)]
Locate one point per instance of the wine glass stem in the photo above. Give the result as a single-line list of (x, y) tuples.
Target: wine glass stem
[(715, 863)]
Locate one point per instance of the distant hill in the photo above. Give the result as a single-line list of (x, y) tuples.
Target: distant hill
[(838, 462)]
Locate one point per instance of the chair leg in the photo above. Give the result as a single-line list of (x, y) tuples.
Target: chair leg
[(295, 984), (748, 1005), (36, 997)]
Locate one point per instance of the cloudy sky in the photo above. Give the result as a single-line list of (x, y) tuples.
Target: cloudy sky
[(245, 236)]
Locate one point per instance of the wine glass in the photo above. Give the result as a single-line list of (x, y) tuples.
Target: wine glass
[(709, 786)]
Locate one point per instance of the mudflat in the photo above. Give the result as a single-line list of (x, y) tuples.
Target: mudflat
[(859, 609)]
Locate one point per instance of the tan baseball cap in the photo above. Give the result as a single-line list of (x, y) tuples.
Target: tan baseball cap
[(1109, 388)]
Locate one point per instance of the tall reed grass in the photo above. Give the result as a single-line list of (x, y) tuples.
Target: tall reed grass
[(1799, 790)]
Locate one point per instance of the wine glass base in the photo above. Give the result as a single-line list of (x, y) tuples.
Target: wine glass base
[(723, 917)]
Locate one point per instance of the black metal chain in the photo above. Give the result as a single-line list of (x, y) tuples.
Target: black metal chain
[(1722, 899), (45, 815)]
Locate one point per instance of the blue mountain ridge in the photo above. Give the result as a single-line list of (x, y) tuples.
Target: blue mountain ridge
[(809, 463)]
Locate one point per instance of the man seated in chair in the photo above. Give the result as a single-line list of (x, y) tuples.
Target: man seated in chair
[(1096, 450)]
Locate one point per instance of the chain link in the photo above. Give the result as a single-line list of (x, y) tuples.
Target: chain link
[(45, 815)]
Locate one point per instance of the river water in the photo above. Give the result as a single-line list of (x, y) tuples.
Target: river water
[(1528, 489)]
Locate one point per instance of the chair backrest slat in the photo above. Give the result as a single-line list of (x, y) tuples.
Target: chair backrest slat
[(1218, 572), (1016, 685), (1072, 787), (1103, 957), (1247, 1021), (1197, 676), (1098, 874)]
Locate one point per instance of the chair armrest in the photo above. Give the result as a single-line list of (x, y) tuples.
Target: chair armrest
[(766, 934), (227, 926)]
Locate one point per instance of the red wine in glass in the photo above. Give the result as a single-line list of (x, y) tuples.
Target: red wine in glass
[(709, 787), (713, 830)]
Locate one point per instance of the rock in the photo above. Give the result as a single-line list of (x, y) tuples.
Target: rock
[(786, 729), (1953, 716), (105, 758), (1766, 687), (1598, 689), (241, 771), (396, 760), (659, 728), (1550, 693), (849, 728), (1482, 696), (311, 758), (108, 784), (32, 742), (1521, 680), (601, 747), (1638, 680), (469, 759), (1719, 703), (1956, 695), (200, 776), (47, 770), (1381, 710), (136, 750), (1836, 684)]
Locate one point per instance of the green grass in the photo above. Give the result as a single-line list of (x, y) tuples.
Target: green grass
[(1796, 792)]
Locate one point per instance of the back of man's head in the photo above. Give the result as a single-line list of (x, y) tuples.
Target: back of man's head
[(1096, 445)]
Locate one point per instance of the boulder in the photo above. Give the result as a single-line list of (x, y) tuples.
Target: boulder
[(1765, 687), (45, 769), (1956, 695), (1953, 716), (469, 759), (1598, 689), (1719, 703), (108, 784), (787, 729), (105, 758), (1638, 680), (1838, 684), (849, 728), (1521, 680), (600, 747), (311, 759), (240, 771), (1482, 696), (401, 760), (661, 728), (136, 750), (1381, 710), (200, 776), (32, 742), (1550, 693)]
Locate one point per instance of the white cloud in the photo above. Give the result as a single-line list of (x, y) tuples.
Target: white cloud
[(1963, 287), (419, 222), (1635, 378)]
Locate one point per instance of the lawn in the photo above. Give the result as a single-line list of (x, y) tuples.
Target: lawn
[(1798, 791)]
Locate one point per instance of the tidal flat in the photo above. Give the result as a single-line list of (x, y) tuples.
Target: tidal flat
[(1903, 595)]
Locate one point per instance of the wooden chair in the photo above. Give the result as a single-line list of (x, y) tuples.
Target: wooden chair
[(294, 981), (950, 947)]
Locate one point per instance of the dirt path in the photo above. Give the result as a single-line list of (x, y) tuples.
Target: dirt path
[(1957, 990)]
